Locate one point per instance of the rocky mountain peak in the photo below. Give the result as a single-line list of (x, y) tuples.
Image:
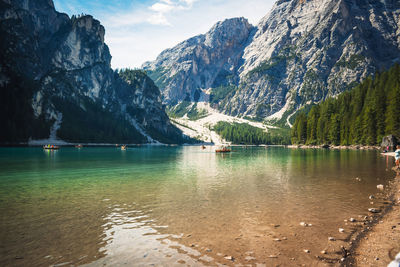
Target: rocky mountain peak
[(228, 32), (201, 62), (301, 52)]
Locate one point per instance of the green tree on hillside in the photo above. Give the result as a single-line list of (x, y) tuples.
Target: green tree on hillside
[(361, 116)]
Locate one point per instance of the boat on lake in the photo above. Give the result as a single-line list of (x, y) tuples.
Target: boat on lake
[(223, 150), (123, 147), (51, 147), (79, 146)]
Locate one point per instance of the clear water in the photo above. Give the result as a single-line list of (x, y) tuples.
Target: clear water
[(180, 205)]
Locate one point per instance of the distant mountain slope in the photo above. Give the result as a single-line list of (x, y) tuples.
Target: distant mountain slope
[(55, 75), (201, 62), (300, 53)]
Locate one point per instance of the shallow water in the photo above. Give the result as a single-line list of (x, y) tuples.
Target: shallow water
[(180, 205)]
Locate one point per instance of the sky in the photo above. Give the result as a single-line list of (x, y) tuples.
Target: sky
[(137, 31)]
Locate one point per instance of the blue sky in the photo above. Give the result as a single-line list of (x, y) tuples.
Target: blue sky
[(137, 31)]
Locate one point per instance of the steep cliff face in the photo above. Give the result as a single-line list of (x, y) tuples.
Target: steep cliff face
[(56, 70), (303, 51), (204, 61)]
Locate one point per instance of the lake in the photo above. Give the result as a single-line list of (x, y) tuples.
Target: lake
[(158, 205)]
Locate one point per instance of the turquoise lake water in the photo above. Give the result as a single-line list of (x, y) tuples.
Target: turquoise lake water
[(179, 205)]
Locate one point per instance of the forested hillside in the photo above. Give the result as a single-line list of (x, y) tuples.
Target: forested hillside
[(361, 116), (242, 133)]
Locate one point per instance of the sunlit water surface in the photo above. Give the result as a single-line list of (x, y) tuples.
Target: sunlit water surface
[(179, 205)]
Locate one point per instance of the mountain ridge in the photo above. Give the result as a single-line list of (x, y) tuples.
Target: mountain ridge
[(56, 69), (300, 53)]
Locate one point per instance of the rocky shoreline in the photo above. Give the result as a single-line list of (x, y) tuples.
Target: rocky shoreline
[(378, 242), (355, 147)]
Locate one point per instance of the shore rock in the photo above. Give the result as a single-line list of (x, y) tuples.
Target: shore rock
[(389, 141)]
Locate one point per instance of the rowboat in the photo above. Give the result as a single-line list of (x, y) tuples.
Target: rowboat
[(51, 147), (79, 146), (223, 150), (123, 147)]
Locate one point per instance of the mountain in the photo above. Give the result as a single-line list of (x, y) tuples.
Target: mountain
[(300, 53), (201, 62), (56, 80)]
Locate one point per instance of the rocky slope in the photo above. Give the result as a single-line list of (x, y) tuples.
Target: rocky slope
[(301, 52), (55, 74), (204, 61)]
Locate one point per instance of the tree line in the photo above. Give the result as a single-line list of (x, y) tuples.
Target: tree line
[(361, 116), (243, 133)]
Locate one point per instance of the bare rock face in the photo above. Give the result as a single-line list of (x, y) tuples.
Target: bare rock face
[(204, 61), (389, 141), (300, 53), (52, 65)]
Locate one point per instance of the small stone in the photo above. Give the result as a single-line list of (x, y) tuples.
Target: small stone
[(323, 251), (377, 259), (19, 257), (277, 239), (284, 238), (342, 259), (380, 186), (229, 258), (374, 210), (341, 230), (273, 256), (371, 197), (292, 259), (208, 250), (306, 250), (303, 224), (249, 258), (331, 238), (192, 245), (352, 220), (276, 225)]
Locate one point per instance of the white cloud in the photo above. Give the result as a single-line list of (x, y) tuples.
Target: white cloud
[(162, 7), (158, 19)]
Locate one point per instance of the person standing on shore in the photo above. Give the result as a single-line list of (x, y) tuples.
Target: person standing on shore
[(397, 156)]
